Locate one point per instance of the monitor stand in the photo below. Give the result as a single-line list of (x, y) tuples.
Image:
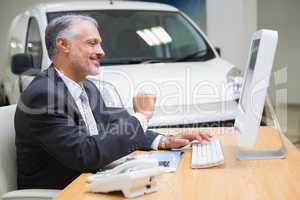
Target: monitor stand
[(279, 153)]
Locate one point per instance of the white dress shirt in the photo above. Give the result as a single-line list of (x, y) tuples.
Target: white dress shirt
[(85, 110)]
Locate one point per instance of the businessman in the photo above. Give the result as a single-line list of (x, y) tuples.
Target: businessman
[(63, 127)]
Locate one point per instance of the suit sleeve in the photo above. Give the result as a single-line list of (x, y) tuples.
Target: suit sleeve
[(64, 140), (116, 117)]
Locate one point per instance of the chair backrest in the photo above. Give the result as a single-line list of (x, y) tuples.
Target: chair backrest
[(8, 169)]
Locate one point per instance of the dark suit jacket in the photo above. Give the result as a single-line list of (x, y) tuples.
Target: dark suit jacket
[(52, 143)]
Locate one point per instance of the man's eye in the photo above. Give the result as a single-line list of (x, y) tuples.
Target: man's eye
[(92, 43)]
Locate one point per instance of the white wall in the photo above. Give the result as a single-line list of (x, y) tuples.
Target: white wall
[(284, 16), (230, 25)]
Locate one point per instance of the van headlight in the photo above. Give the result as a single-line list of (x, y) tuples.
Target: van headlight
[(235, 81)]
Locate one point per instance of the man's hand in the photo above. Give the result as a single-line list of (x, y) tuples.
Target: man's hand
[(183, 139), (144, 103)]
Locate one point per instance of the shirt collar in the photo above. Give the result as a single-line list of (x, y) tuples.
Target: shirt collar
[(74, 88)]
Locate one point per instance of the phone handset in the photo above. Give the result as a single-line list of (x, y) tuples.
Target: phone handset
[(134, 178), (132, 165)]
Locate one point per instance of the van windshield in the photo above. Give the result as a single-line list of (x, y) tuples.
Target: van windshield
[(134, 36)]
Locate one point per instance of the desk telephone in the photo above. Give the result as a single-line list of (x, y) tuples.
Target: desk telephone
[(134, 178)]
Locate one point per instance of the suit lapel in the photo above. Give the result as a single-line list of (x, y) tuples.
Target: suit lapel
[(64, 100), (69, 105), (95, 101)]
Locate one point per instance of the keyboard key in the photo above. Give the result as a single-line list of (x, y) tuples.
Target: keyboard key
[(208, 154)]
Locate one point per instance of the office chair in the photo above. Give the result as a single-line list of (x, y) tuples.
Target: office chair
[(8, 168)]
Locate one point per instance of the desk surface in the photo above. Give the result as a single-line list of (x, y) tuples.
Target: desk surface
[(260, 179)]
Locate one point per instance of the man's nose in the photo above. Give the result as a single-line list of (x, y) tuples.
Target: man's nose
[(100, 52)]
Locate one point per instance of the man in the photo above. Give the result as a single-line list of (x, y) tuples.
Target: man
[(63, 127)]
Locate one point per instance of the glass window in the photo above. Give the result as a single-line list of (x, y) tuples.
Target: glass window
[(187, 39), (34, 43), (133, 36)]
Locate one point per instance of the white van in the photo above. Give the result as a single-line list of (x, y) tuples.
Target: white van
[(148, 46)]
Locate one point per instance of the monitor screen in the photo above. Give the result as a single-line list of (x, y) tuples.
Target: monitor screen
[(249, 73)]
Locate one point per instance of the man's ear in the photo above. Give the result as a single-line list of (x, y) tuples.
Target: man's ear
[(63, 45)]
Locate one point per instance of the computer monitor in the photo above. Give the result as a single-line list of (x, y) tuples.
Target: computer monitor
[(255, 86)]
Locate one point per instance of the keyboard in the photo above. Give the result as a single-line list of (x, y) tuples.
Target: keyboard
[(207, 154)]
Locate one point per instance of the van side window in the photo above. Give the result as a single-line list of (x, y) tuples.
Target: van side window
[(34, 43)]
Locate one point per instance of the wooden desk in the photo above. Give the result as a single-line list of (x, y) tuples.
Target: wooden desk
[(261, 179)]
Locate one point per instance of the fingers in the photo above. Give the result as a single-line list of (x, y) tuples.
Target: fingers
[(186, 136), (144, 103), (206, 136), (194, 134), (199, 138), (178, 142), (189, 134)]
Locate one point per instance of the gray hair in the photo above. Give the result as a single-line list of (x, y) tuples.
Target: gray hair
[(62, 27)]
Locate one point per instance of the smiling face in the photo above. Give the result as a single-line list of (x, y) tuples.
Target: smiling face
[(85, 51)]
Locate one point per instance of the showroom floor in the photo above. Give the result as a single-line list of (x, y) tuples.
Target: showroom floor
[(293, 124)]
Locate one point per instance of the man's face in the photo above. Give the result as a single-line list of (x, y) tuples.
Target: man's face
[(85, 49)]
